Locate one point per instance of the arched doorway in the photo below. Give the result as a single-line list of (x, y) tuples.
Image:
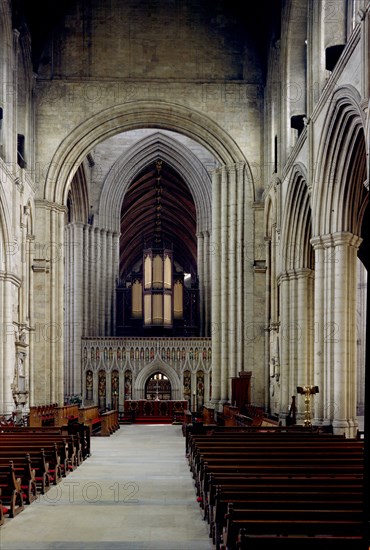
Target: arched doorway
[(158, 387)]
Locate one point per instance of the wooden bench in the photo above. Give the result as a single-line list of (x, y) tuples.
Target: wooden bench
[(23, 469), (65, 414), (279, 500), (306, 523), (11, 492), (42, 415), (90, 417), (298, 542), (278, 479), (45, 475), (109, 422), (68, 438)]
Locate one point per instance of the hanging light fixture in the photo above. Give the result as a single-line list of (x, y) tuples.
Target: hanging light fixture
[(157, 269)]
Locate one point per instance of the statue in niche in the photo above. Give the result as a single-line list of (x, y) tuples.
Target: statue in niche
[(128, 384), (115, 388), (89, 385), (200, 384), (102, 383), (187, 384), (102, 389), (22, 335)]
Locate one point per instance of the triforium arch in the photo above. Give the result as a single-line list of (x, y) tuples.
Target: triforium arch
[(340, 198), (296, 289), (232, 216)]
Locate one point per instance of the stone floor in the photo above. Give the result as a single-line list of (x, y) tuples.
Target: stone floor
[(135, 492)]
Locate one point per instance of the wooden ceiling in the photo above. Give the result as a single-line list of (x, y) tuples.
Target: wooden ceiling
[(158, 201)]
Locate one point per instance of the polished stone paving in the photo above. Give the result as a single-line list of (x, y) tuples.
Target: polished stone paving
[(134, 493)]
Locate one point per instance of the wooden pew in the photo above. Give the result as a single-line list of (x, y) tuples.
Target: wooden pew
[(44, 477), (69, 445), (280, 500), (298, 542), (11, 492), (344, 524), (65, 414), (42, 415), (90, 417), (24, 471), (109, 422), (277, 477)]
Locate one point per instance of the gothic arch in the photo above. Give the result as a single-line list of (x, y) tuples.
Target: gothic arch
[(152, 368), (129, 116), (297, 223), (140, 155), (337, 202)]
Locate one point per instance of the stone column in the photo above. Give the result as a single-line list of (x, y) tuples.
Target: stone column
[(115, 262), (225, 365), (319, 307), (74, 307), (293, 334), (344, 303), (232, 277), (102, 288), (328, 329), (268, 320), (110, 285), (200, 259), (97, 279), (233, 283), (12, 104), (304, 295), (9, 286), (48, 269), (216, 287), (285, 345), (240, 249), (207, 283)]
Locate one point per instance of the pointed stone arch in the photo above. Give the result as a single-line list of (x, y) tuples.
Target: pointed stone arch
[(135, 115), (296, 230), (157, 366), (138, 157), (342, 150), (296, 280)]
